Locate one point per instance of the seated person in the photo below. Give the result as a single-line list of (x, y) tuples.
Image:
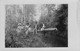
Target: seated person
[(43, 27), (19, 28), (28, 29)]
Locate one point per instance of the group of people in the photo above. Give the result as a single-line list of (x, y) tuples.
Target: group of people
[(27, 28), (21, 27)]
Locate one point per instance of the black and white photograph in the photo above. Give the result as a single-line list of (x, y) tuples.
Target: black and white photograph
[(36, 25)]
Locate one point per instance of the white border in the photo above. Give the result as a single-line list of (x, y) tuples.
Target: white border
[(73, 32)]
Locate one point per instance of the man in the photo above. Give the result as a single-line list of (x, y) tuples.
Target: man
[(28, 29)]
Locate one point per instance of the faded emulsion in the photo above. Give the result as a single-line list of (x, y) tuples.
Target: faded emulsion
[(36, 25)]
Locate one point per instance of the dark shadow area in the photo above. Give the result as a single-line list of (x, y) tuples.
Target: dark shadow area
[(22, 31)]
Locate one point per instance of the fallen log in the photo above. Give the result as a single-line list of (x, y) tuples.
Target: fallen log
[(48, 29)]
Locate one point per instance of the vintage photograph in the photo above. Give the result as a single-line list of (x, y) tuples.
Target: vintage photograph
[(36, 25)]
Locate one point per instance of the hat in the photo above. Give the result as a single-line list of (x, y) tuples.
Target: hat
[(19, 23)]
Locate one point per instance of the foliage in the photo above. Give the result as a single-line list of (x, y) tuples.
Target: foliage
[(24, 15)]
